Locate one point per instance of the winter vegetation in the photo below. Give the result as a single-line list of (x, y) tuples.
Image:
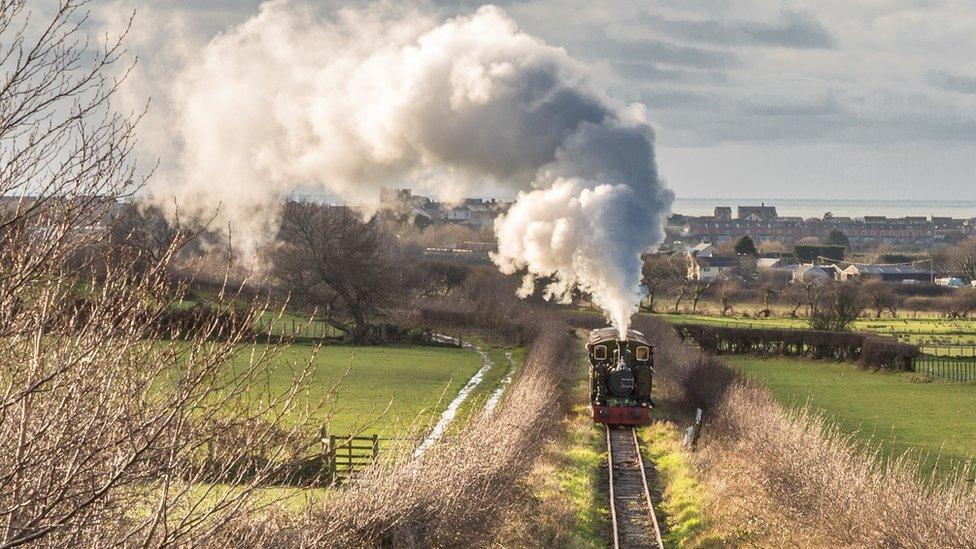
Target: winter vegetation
[(162, 384), (774, 475), (899, 412)]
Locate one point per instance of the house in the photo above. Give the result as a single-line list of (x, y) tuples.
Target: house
[(475, 212), (703, 249), (833, 270), (809, 272), (757, 213), (888, 273), (769, 262), (723, 213), (708, 268)]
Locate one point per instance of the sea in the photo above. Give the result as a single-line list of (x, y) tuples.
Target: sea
[(816, 207)]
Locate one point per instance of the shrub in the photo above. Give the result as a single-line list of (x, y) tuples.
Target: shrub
[(883, 352), (777, 478), (200, 320), (887, 354)]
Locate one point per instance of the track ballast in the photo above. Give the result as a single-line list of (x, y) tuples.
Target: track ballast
[(631, 509)]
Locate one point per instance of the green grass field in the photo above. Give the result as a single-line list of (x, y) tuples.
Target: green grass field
[(938, 336), (936, 420), (930, 326), (416, 382)]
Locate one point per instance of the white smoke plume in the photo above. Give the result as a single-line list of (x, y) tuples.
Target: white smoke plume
[(293, 100)]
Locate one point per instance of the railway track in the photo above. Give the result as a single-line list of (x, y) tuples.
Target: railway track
[(631, 508)]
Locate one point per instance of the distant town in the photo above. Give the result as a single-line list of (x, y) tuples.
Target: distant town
[(423, 211), (841, 248), (763, 224)]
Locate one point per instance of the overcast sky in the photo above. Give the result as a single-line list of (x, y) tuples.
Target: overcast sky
[(749, 98)]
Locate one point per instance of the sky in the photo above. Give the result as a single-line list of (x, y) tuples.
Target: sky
[(748, 98)]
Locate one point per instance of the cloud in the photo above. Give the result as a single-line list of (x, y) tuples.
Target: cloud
[(902, 69), (949, 81), (792, 108), (794, 30), (657, 51), (652, 72)]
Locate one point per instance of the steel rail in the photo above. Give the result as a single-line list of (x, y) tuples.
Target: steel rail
[(619, 513)]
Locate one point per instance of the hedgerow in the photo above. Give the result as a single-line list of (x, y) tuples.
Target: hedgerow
[(869, 350)]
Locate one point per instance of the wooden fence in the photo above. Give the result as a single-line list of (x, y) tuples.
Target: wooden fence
[(291, 327), (948, 368)]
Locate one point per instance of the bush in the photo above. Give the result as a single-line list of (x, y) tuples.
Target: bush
[(872, 351), (778, 478), (886, 354), (198, 321)]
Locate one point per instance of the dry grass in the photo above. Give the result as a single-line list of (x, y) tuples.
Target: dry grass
[(776, 477), (455, 493)]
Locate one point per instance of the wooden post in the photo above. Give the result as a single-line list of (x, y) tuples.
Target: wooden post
[(332, 458), (376, 446)]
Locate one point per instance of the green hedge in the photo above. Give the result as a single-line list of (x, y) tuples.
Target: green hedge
[(869, 350)]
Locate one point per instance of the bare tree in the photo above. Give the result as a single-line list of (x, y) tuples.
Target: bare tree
[(796, 297), (917, 303), (698, 288), (962, 258), (747, 269), (727, 291), (115, 423), (811, 289), (772, 284), (145, 231), (683, 275), (835, 307), (960, 304), (347, 268), (880, 296), (438, 278), (656, 271)]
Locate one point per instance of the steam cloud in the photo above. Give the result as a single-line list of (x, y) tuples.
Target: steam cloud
[(290, 100)]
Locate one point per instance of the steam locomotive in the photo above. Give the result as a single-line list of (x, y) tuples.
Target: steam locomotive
[(620, 377)]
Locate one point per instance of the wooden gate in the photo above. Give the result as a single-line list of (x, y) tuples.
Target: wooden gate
[(350, 454)]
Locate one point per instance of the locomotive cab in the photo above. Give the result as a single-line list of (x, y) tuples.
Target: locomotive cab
[(620, 376)]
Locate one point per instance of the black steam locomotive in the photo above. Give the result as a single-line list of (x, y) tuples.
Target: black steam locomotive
[(620, 377)]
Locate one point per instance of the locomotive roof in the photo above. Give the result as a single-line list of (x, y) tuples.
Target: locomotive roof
[(601, 335)]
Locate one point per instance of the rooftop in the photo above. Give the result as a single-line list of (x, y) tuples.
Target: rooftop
[(601, 335)]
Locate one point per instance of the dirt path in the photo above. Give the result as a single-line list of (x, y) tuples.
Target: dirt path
[(496, 395), (451, 411)]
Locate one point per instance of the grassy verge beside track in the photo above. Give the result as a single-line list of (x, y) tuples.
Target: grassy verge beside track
[(682, 496), (577, 478), (567, 501), (901, 411)]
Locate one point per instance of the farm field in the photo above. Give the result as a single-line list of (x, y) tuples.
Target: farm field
[(416, 382), (948, 326), (942, 336), (891, 409)]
